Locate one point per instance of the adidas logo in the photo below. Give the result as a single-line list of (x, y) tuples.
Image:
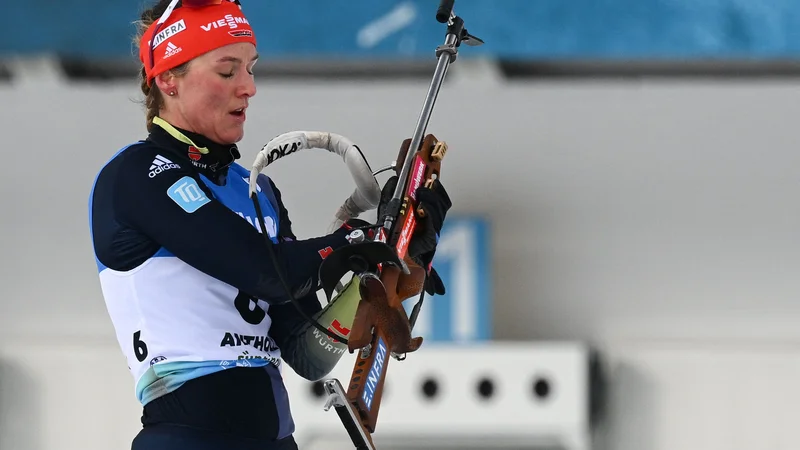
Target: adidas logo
[(171, 50), (161, 164)]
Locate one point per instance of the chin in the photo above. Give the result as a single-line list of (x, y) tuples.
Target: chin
[(232, 137)]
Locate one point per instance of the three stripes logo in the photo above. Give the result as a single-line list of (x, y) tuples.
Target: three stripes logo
[(161, 164), (172, 50)]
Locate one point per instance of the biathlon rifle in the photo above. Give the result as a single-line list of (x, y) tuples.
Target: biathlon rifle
[(387, 274), (382, 328)]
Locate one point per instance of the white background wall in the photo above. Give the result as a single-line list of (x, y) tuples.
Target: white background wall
[(658, 220)]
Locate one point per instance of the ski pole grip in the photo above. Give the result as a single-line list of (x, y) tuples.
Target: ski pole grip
[(444, 11)]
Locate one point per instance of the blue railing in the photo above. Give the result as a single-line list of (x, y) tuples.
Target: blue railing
[(521, 29)]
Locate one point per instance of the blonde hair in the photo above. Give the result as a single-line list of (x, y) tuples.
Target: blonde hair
[(154, 98)]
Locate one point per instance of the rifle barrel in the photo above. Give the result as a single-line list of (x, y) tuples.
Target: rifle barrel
[(424, 117)]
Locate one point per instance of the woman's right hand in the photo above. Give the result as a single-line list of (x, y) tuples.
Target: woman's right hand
[(435, 202)]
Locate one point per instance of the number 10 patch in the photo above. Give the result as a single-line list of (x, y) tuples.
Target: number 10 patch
[(187, 194)]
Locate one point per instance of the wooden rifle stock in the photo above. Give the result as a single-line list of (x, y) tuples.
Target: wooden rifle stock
[(381, 328)]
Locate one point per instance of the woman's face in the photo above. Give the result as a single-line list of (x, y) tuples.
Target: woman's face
[(212, 98)]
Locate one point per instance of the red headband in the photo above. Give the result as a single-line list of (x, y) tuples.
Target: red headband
[(190, 31)]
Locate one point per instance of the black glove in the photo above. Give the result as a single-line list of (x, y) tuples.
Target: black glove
[(387, 191), (434, 284), (435, 202), (367, 228)]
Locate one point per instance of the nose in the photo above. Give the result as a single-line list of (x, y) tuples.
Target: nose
[(248, 86)]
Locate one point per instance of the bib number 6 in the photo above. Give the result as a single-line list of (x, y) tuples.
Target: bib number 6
[(139, 347), (248, 308)]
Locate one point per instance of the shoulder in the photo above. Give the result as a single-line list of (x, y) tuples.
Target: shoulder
[(108, 174), (140, 171), (148, 159), (142, 157)]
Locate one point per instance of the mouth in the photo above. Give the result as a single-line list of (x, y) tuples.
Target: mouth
[(238, 113)]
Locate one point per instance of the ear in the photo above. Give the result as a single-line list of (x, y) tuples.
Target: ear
[(165, 81)]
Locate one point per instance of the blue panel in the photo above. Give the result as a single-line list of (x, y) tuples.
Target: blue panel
[(407, 28), (464, 313)]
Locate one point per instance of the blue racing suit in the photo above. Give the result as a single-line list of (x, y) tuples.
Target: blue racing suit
[(191, 289)]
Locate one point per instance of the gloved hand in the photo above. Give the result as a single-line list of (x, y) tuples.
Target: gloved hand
[(434, 284), (435, 202), (368, 229)]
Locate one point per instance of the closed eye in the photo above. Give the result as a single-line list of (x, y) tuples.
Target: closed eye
[(238, 61)]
